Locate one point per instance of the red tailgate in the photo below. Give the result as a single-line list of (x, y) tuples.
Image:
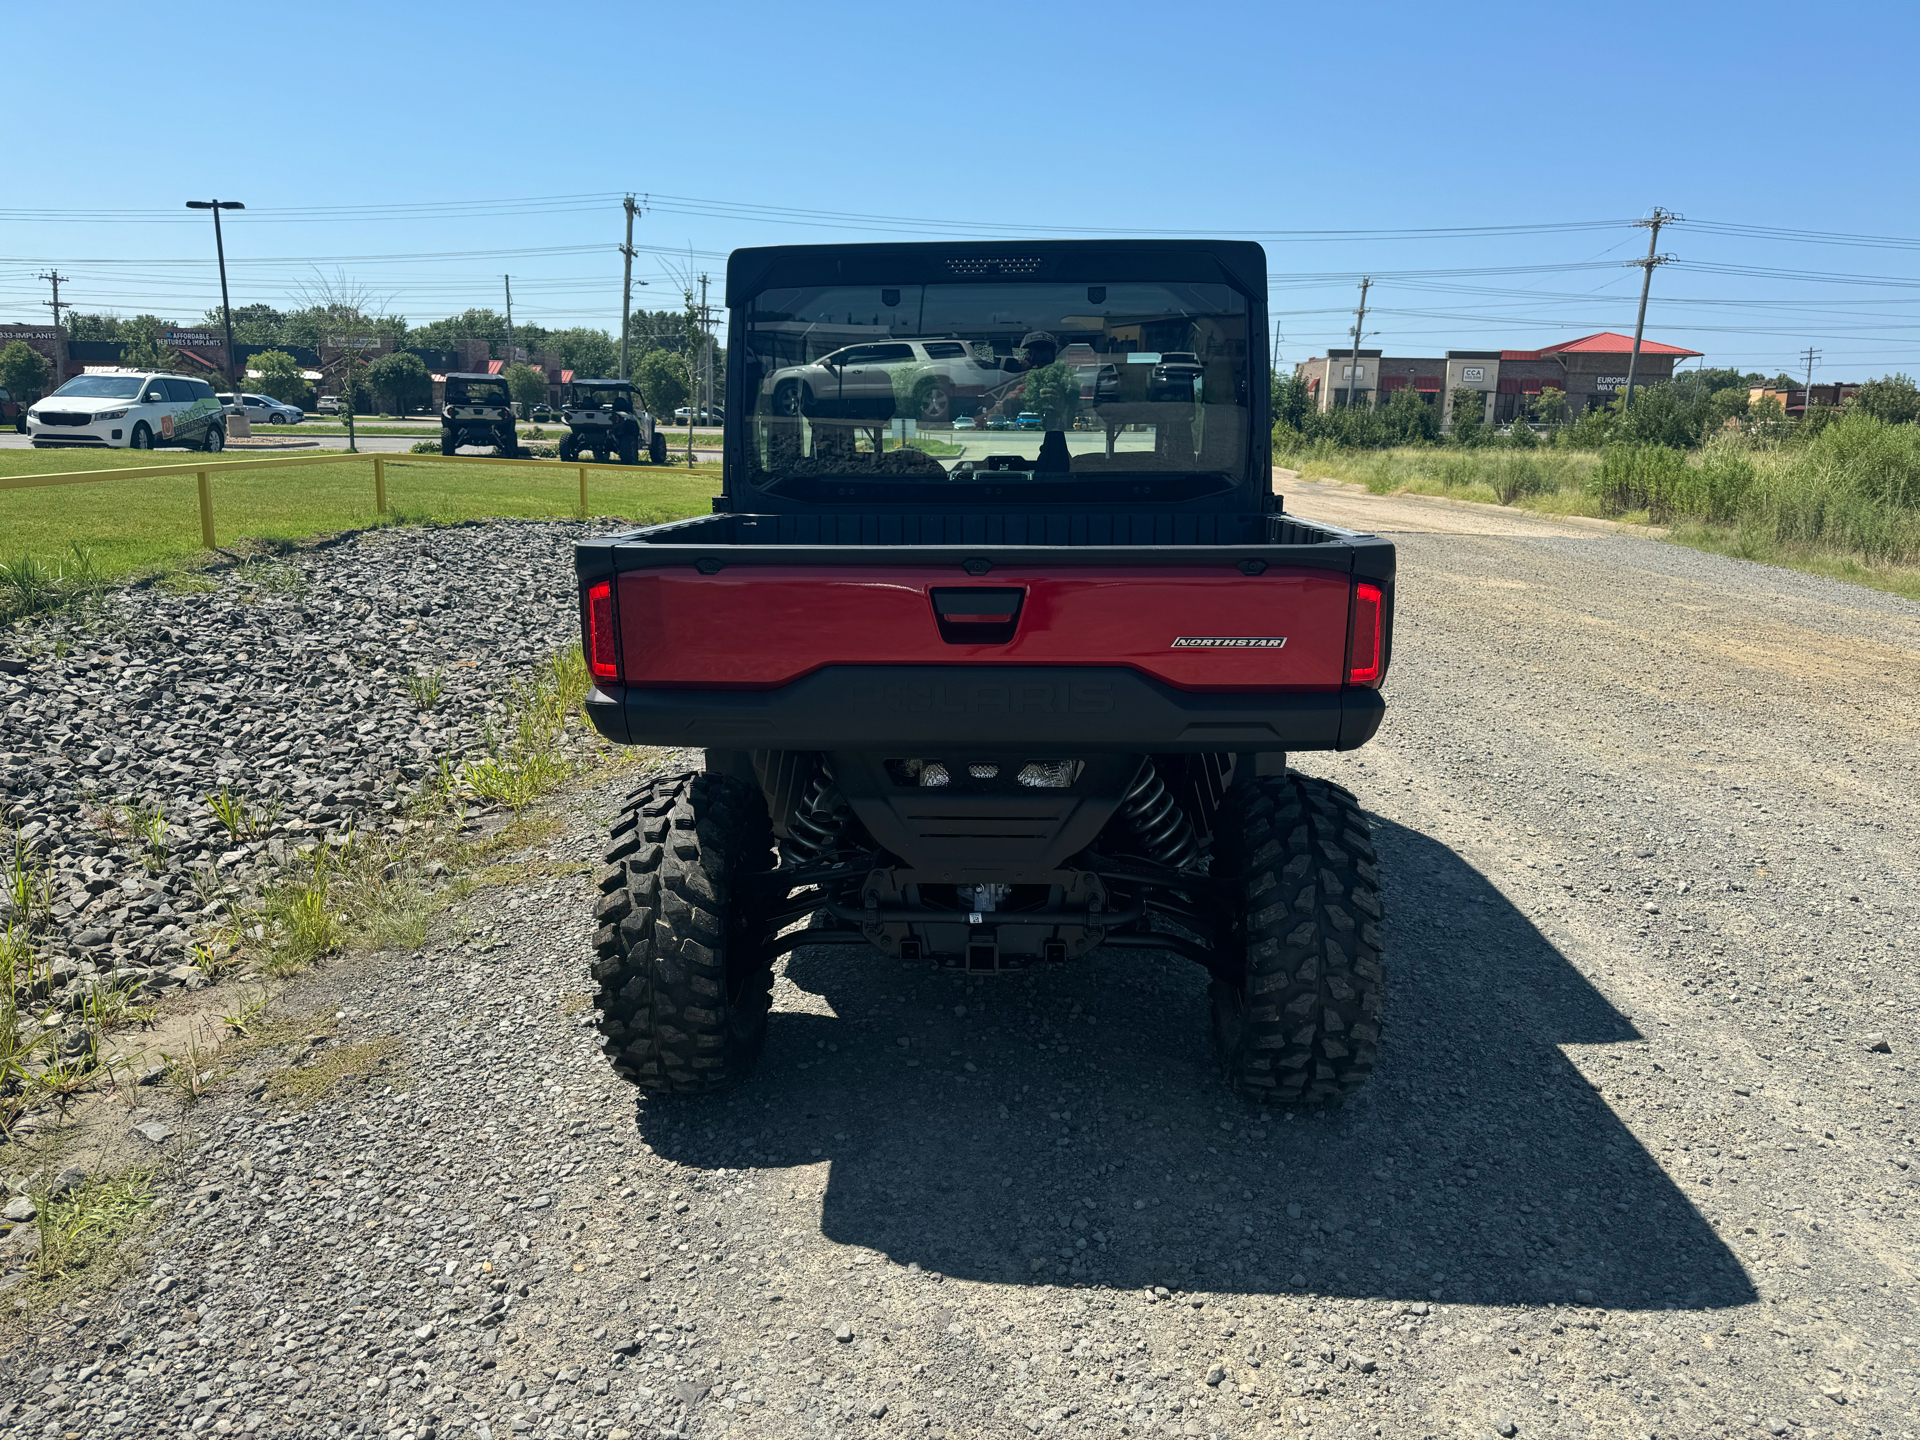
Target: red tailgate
[(753, 627)]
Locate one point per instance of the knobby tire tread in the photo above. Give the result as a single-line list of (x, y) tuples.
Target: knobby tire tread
[(684, 983), (1304, 1023)]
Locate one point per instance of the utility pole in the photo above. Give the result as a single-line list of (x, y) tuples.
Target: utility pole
[(626, 284), (1360, 314), (508, 281), (1654, 222), (706, 356), (1810, 355), (57, 303)]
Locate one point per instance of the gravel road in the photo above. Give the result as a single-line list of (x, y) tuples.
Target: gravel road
[(1637, 1160)]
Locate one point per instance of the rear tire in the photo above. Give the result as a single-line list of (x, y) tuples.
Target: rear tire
[(569, 449), (449, 442), (1304, 1021), (685, 979), (657, 449), (630, 450), (215, 441)]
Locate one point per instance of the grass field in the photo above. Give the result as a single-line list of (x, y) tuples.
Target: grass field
[(1800, 509), (153, 523)]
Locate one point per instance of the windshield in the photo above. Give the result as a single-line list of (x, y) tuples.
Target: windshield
[(602, 397), (1017, 383), (476, 392), (103, 387)]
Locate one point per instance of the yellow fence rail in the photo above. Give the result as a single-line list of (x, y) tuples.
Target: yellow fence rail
[(203, 473)]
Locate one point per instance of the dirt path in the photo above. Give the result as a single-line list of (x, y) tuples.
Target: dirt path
[(1632, 1163)]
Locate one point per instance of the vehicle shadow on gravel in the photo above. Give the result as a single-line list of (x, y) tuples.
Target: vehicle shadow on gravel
[(1071, 1127)]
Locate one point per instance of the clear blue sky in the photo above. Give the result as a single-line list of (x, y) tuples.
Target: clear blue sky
[(1188, 119)]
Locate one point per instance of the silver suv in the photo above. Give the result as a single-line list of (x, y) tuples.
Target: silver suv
[(931, 380)]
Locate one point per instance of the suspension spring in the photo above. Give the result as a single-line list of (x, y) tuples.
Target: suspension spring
[(1165, 832), (820, 820)]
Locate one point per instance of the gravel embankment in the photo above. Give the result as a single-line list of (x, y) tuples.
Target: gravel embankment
[(287, 686), (1638, 1159)]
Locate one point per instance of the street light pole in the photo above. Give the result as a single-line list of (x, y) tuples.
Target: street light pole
[(226, 307)]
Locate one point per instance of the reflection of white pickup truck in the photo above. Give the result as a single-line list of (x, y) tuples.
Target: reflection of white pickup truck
[(859, 382)]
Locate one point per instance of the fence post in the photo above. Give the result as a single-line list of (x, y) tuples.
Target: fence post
[(583, 492), (206, 508), (380, 485)]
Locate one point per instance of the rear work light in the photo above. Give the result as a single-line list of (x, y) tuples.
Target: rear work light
[(1364, 637), (603, 653)]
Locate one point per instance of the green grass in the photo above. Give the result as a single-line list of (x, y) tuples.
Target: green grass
[(1796, 508), (136, 526)]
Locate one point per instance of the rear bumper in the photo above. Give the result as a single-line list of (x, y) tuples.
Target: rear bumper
[(1068, 708)]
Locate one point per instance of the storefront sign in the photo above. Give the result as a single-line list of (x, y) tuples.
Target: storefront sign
[(1610, 382), (1472, 373), (191, 339)]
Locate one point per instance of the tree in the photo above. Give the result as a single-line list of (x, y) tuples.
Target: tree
[(1725, 405), (1550, 406), (1892, 398), (279, 376), (487, 325), (252, 325), (140, 345), (1292, 401), (93, 327), (528, 385), (660, 330), (402, 377), (590, 354), (24, 371), (662, 378), (1054, 393), (1469, 407), (1407, 419)]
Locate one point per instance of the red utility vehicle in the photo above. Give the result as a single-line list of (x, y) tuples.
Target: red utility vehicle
[(984, 697)]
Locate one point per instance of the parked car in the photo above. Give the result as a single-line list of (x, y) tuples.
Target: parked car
[(997, 421), (542, 411), (328, 405), (135, 410), (1029, 420), (12, 411), (856, 382), (1176, 377), (1100, 384), (262, 409), (716, 416)]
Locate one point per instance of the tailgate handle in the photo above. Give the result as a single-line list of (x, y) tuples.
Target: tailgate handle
[(977, 614)]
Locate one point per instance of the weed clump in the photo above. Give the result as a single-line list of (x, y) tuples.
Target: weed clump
[(300, 1086)]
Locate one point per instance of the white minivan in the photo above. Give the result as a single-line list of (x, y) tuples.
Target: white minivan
[(132, 409)]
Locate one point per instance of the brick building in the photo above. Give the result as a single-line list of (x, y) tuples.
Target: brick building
[(1588, 372)]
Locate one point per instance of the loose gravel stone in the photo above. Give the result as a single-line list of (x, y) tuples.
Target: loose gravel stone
[(1567, 1203)]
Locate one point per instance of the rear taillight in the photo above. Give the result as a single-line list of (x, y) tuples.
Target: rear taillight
[(603, 654), (1364, 637)]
